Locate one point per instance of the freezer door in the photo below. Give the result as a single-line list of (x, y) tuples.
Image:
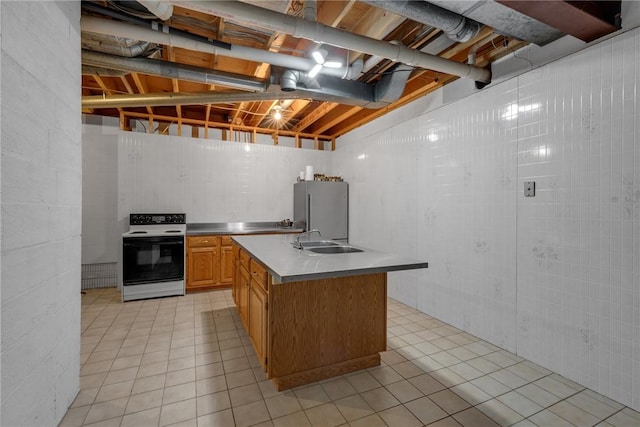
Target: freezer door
[(328, 208)]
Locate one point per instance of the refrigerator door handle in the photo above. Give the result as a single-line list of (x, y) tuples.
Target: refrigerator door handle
[(308, 212)]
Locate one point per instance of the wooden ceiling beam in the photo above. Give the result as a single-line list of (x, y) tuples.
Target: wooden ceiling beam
[(104, 87), (338, 115), (332, 12), (142, 88), (314, 115), (229, 126)]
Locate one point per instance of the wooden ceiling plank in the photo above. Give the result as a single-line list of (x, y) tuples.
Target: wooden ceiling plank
[(334, 117), (332, 12), (228, 126), (105, 87), (142, 88), (317, 113)]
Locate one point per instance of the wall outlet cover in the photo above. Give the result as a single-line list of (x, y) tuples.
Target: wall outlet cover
[(529, 188)]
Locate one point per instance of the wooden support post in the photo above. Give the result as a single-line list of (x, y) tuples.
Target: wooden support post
[(195, 132), (254, 138), (298, 141), (333, 144), (275, 138), (125, 123), (316, 143), (206, 131), (150, 128)]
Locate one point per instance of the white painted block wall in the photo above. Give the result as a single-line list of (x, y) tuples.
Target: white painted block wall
[(100, 228), (41, 211), (553, 278), (211, 181)]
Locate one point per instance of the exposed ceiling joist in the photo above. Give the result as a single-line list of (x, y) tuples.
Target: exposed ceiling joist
[(222, 70)]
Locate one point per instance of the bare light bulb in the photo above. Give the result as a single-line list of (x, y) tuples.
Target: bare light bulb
[(277, 115), (315, 70)]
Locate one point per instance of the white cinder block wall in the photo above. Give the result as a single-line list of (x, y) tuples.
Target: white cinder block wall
[(555, 278), (100, 229), (212, 181), (41, 212)]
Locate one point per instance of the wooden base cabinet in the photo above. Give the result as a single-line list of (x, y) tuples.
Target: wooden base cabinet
[(203, 260), (209, 262), (311, 330), (258, 321)]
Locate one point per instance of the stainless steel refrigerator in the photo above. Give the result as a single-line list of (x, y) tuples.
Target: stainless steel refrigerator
[(324, 206)]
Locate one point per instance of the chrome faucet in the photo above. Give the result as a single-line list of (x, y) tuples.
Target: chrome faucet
[(297, 243)]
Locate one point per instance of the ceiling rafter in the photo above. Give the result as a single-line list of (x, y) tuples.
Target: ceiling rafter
[(322, 119)]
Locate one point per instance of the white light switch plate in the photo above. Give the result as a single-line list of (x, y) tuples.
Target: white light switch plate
[(529, 189)]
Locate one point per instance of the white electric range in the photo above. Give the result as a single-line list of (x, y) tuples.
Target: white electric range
[(153, 256)]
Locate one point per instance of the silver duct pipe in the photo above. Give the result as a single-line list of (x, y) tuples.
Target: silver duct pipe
[(89, 70), (309, 10), (322, 88), (172, 70), (95, 25), (455, 26), (162, 9), (116, 45), (315, 31)]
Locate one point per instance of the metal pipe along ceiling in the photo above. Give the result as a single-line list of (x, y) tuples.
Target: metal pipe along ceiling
[(263, 18), (161, 68), (95, 25)]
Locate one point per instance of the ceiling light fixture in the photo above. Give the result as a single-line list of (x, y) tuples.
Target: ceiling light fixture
[(320, 56), (277, 112)]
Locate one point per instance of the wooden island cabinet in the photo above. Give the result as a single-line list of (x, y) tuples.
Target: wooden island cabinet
[(310, 330)]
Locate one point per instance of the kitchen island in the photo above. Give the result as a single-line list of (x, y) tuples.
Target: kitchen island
[(312, 316)]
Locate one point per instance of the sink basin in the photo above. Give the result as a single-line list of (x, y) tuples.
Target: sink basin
[(335, 250), (318, 243)]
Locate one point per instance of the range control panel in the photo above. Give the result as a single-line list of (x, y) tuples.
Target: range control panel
[(153, 219)]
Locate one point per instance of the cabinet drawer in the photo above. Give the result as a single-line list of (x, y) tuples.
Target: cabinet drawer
[(199, 241), (259, 273), (244, 259), (226, 240)]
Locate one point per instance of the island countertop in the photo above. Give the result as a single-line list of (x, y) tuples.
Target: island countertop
[(288, 264)]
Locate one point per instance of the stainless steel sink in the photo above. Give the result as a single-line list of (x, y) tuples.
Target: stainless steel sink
[(318, 243), (334, 250)]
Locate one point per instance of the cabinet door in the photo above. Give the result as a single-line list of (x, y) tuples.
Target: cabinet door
[(258, 321), (202, 270), (243, 297), (226, 265)]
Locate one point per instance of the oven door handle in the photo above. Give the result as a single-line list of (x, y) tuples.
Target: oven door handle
[(163, 242)]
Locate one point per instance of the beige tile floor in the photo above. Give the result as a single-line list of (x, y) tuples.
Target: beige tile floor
[(187, 361)]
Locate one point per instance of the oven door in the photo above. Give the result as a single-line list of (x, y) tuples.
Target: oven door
[(152, 259)]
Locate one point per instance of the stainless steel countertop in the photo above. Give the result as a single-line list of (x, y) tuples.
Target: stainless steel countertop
[(212, 228), (288, 264)]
